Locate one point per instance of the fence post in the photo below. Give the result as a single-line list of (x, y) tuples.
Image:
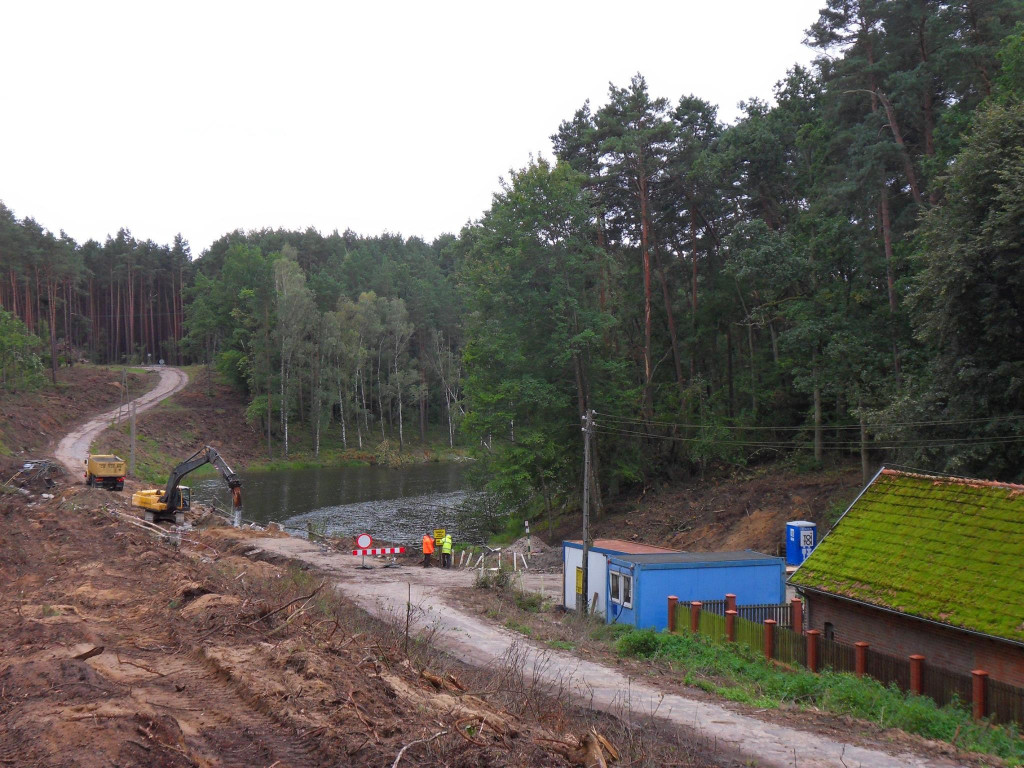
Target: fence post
[(812, 649), (917, 674), (730, 626), (860, 658), (730, 602), (673, 601), (695, 616), (979, 691), (769, 638), (797, 614)]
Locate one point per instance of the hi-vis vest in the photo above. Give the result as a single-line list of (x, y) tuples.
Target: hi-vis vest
[(428, 545), (446, 545)]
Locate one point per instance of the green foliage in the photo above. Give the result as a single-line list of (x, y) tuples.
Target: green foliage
[(532, 602), (231, 365), (20, 364), (738, 674)]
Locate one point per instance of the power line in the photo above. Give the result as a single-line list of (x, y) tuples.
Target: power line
[(831, 428), (830, 445)]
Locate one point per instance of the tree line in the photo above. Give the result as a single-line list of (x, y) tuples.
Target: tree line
[(356, 334), (838, 271), (117, 301)]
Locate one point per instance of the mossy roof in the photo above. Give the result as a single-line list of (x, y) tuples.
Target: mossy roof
[(941, 548)]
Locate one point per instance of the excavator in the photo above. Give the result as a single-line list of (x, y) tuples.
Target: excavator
[(174, 500)]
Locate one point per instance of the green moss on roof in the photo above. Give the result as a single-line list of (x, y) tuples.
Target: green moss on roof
[(940, 548)]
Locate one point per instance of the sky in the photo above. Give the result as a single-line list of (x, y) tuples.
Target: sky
[(201, 118)]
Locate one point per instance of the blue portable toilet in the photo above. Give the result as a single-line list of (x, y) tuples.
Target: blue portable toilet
[(801, 538)]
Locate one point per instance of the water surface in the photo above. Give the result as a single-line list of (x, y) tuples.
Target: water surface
[(392, 505)]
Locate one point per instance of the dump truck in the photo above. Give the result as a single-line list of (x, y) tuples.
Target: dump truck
[(172, 502), (105, 470)]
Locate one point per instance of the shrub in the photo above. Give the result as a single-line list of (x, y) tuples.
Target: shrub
[(641, 642)]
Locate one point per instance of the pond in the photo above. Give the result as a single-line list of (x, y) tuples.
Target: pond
[(393, 505)]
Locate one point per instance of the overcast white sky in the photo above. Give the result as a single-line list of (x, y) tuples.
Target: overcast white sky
[(203, 117)]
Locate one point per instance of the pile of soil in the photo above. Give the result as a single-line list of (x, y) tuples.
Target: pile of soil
[(540, 555)]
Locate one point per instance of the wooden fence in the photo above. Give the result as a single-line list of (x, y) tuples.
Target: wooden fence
[(1000, 701), (781, 613)]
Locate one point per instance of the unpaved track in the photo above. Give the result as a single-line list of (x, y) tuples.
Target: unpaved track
[(386, 591), (72, 450)]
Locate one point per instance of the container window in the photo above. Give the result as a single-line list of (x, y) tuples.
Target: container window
[(615, 592), (627, 591)]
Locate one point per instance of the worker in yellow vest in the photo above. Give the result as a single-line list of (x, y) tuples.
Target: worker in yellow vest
[(428, 549), (446, 551)]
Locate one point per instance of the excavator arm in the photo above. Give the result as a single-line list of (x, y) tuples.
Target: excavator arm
[(205, 455)]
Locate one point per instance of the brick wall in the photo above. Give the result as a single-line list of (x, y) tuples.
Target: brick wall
[(902, 635)]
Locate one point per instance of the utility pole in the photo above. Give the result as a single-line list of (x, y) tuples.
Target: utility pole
[(588, 426), (123, 402), (131, 460)]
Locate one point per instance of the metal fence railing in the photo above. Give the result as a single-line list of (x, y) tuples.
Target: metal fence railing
[(835, 656), (888, 669), (790, 648), (945, 686), (750, 634), (781, 613), (1005, 702), (712, 625)]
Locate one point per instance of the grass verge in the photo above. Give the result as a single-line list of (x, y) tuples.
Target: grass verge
[(739, 674)]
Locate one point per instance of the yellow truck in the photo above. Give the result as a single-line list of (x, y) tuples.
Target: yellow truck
[(105, 470)]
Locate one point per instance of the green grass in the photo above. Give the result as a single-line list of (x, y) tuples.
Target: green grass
[(738, 674), (515, 626), (562, 645)]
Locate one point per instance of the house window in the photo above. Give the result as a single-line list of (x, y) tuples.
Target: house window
[(830, 631), (627, 591), (621, 589)]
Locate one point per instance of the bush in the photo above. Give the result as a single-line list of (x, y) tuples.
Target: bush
[(642, 643)]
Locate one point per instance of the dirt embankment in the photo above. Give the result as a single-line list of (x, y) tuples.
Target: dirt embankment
[(33, 421), (116, 648), (203, 413), (745, 510)]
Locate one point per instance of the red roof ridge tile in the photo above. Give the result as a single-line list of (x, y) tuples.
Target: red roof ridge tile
[(948, 480)]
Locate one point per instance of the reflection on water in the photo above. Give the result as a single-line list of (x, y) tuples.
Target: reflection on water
[(393, 505)]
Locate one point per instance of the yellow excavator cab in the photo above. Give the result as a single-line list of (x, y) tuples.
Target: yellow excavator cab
[(150, 499), (176, 499)]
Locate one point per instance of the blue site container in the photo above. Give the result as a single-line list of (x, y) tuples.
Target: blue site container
[(801, 538)]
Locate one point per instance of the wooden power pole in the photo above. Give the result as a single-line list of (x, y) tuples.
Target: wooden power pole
[(588, 426)]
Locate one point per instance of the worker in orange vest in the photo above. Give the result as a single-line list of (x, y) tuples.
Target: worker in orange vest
[(428, 549)]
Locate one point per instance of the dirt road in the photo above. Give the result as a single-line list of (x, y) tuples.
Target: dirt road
[(74, 447), (386, 590)]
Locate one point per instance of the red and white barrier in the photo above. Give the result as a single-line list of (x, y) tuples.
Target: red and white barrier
[(380, 551)]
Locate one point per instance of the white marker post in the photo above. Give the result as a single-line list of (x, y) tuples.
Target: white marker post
[(364, 541)]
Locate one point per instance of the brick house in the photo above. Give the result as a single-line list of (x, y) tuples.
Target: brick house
[(925, 564)]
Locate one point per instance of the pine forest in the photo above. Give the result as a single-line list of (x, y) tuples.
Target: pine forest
[(836, 276)]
